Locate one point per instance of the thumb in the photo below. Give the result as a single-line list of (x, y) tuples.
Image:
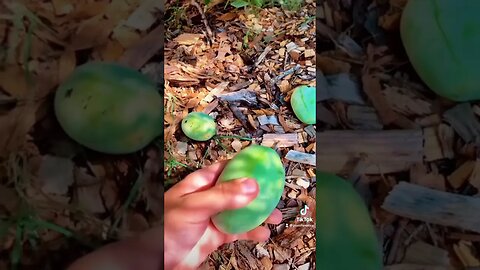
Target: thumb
[(224, 196)]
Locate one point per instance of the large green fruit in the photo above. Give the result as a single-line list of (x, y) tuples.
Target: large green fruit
[(303, 104), (199, 126), (264, 165), (442, 40), (109, 108), (345, 234)]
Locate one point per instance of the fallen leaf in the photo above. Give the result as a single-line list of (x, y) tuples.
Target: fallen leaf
[(227, 16), (66, 65), (125, 36), (91, 33), (12, 81), (188, 39), (111, 51)]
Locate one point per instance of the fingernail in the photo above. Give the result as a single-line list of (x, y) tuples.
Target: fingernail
[(249, 186)]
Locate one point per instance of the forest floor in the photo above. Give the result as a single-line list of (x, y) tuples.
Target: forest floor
[(240, 66)]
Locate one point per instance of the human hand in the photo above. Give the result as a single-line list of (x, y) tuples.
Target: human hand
[(190, 235)]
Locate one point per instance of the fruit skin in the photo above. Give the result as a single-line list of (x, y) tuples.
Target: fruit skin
[(441, 38), (303, 104), (260, 163), (199, 126), (345, 234), (109, 108)]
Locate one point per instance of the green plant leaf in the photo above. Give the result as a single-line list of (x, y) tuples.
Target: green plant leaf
[(240, 3), (258, 3), (207, 2)]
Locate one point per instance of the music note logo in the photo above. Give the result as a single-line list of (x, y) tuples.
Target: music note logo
[(303, 211)]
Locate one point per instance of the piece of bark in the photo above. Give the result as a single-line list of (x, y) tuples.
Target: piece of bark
[(474, 179), (463, 120), (420, 175), (268, 120), (215, 92), (461, 174), (432, 206), (429, 120), (464, 236), (446, 136), (433, 148), (301, 157), (387, 151), (343, 87), (426, 254), (463, 250), (407, 102), (363, 118), (137, 55), (373, 89), (241, 95), (280, 140)]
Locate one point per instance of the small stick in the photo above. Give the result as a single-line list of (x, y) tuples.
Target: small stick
[(204, 19), (284, 74)]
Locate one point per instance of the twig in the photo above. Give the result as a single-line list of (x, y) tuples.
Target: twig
[(396, 242), (262, 56), (284, 74), (204, 19)]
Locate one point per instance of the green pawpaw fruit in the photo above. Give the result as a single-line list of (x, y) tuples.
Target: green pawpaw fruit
[(345, 234), (199, 126), (303, 104), (109, 108), (441, 38), (260, 163)]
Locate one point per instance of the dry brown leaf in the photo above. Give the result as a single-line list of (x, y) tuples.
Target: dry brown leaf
[(330, 66), (133, 224), (111, 51), (461, 174), (228, 16), (66, 65), (62, 7), (125, 36), (91, 33), (8, 199), (419, 175), (143, 17), (137, 55), (12, 81), (390, 21), (188, 38), (15, 126), (119, 10), (88, 9)]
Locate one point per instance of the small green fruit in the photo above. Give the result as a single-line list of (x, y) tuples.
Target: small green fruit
[(303, 104), (345, 234), (109, 108), (260, 163), (442, 41), (199, 126)]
